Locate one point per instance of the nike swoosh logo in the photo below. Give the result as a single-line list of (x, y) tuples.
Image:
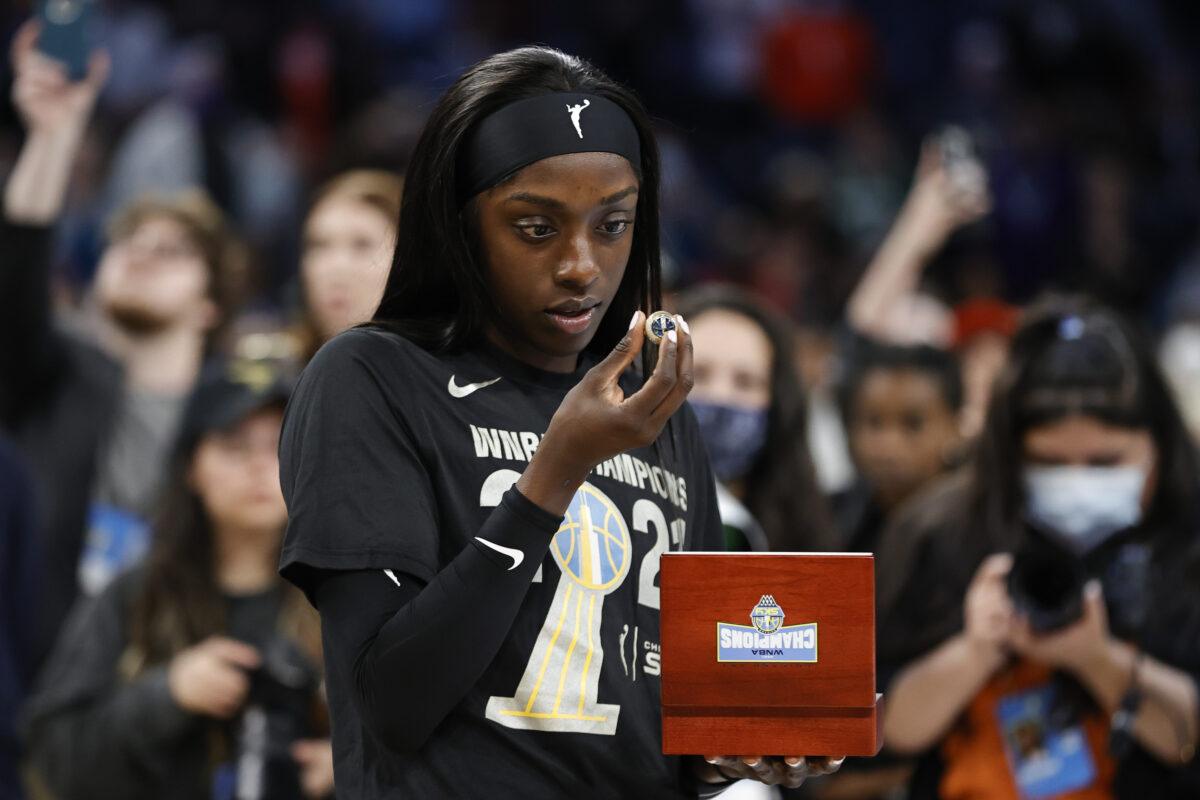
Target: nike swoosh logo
[(462, 391), (516, 555)]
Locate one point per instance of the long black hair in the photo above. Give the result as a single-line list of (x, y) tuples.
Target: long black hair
[(180, 602), (1074, 356), (436, 293), (869, 356), (781, 486)]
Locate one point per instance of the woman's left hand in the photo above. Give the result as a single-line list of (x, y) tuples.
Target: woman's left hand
[(1074, 648), (786, 771), (314, 757)]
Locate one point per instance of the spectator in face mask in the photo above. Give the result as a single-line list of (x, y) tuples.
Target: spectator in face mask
[(751, 408), (197, 672), (94, 415), (1051, 592)]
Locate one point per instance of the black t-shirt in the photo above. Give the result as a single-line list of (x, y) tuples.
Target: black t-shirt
[(394, 458)]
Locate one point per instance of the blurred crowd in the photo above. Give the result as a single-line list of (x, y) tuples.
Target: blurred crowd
[(865, 205)]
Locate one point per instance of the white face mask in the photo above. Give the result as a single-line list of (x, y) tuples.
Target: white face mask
[(1082, 507)]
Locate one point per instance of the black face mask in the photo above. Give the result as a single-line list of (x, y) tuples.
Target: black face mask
[(733, 437)]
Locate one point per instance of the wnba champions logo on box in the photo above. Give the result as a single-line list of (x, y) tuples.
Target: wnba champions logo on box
[(768, 639), (767, 616)]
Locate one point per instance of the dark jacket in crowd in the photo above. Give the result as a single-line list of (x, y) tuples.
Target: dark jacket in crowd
[(58, 398), (858, 516), (20, 565), (93, 733)]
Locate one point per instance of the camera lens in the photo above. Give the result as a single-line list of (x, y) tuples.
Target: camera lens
[(1046, 585)]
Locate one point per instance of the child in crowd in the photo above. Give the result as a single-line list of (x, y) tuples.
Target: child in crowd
[(900, 406)]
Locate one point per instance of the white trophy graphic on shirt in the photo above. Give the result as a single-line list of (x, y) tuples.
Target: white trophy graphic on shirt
[(575, 111), (558, 689)]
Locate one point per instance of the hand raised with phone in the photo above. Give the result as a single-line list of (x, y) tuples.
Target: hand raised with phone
[(48, 101)]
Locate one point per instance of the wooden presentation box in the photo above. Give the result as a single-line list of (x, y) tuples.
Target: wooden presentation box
[(769, 654)]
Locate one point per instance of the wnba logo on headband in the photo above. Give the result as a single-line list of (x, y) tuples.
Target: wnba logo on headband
[(529, 130), (575, 111)]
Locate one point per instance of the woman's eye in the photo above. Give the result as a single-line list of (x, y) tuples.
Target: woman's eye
[(615, 227), (536, 231), (747, 382)]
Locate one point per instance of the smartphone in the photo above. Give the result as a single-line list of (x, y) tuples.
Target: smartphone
[(956, 145), (68, 33), (960, 157)]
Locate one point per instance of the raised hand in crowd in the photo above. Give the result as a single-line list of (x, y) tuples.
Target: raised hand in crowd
[(946, 195), (55, 112)]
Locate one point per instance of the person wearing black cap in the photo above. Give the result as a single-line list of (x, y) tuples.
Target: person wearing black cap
[(156, 686), (479, 487)]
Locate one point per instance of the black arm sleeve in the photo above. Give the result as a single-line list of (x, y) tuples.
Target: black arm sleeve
[(30, 349), (380, 634)]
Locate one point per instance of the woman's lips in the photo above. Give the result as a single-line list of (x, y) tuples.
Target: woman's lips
[(573, 323)]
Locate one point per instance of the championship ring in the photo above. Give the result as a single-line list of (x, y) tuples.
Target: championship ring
[(658, 324)]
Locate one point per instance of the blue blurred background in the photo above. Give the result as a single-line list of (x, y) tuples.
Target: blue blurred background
[(789, 129)]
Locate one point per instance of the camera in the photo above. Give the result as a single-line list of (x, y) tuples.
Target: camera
[(278, 711), (1046, 583)]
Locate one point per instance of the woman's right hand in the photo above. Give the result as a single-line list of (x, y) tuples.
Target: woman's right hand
[(211, 678), (55, 111), (596, 421), (987, 610)]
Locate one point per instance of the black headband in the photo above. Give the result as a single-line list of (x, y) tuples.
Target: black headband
[(540, 127)]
